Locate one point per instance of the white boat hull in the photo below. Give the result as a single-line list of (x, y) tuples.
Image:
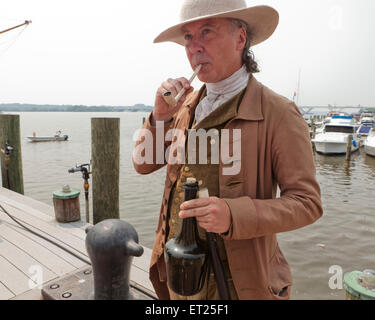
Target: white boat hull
[(44, 139), (370, 150), (370, 145), (333, 147), (335, 143)]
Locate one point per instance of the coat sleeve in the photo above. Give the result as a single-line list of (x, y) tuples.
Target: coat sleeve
[(147, 138), (294, 170)]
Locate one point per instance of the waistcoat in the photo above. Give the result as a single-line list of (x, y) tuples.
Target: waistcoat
[(206, 173)]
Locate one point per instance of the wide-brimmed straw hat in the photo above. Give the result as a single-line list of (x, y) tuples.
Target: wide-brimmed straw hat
[(262, 20)]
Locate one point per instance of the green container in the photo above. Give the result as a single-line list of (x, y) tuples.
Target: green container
[(60, 194), (354, 288)]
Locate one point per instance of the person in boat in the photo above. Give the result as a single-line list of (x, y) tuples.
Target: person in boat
[(272, 150), (58, 133)]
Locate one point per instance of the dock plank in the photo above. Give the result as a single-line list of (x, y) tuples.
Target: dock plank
[(73, 228), (30, 248), (5, 293), (49, 246), (29, 202), (141, 277), (23, 260), (39, 225), (77, 263), (14, 279), (39, 252), (143, 262)]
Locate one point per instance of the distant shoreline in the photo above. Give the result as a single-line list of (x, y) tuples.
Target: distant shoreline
[(19, 107)]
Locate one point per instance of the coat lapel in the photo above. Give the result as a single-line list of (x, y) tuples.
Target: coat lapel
[(247, 120)]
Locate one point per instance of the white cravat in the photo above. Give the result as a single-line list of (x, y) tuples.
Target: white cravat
[(220, 92)]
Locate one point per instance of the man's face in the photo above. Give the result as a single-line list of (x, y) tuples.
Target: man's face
[(216, 45)]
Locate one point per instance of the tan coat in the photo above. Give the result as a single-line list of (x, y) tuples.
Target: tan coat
[(275, 151)]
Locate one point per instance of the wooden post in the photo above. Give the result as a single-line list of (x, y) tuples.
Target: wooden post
[(105, 155), (349, 147), (313, 129), (312, 126), (10, 133), (313, 133)]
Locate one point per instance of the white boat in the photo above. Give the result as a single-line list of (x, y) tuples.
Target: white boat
[(57, 137), (334, 138), (367, 118), (370, 143), (364, 130)]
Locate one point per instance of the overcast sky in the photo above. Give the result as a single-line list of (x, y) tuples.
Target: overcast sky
[(95, 52)]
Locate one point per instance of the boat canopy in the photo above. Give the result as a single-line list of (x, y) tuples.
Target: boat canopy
[(342, 117), (364, 129)]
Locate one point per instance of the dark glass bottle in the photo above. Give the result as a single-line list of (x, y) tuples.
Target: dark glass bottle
[(186, 255)]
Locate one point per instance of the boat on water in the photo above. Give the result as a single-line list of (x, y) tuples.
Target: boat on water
[(321, 124), (370, 143), (367, 118), (367, 123), (57, 137), (334, 138)]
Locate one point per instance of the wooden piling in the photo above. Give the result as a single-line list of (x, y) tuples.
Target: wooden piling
[(10, 133), (313, 129), (105, 155), (349, 147)]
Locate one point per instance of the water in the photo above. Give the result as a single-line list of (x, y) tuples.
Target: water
[(46, 164), (344, 236)]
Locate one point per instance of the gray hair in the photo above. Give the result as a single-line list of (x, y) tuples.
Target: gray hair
[(248, 58)]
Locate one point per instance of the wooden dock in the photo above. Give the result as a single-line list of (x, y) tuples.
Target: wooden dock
[(27, 262)]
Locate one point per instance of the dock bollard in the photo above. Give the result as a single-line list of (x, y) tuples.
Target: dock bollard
[(111, 245), (66, 204), (360, 285)]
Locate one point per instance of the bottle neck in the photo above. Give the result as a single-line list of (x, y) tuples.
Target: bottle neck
[(188, 233)]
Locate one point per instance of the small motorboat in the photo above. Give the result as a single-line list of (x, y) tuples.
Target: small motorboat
[(57, 137)]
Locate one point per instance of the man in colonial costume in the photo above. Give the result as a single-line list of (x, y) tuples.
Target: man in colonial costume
[(273, 150)]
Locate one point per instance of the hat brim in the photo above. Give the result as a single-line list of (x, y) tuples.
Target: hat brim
[(262, 20)]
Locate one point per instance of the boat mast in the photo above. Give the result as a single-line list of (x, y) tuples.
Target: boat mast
[(20, 25), (299, 86)]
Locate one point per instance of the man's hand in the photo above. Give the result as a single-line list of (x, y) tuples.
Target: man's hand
[(213, 214), (163, 111)]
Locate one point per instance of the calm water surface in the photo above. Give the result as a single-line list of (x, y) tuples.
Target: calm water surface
[(344, 236)]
